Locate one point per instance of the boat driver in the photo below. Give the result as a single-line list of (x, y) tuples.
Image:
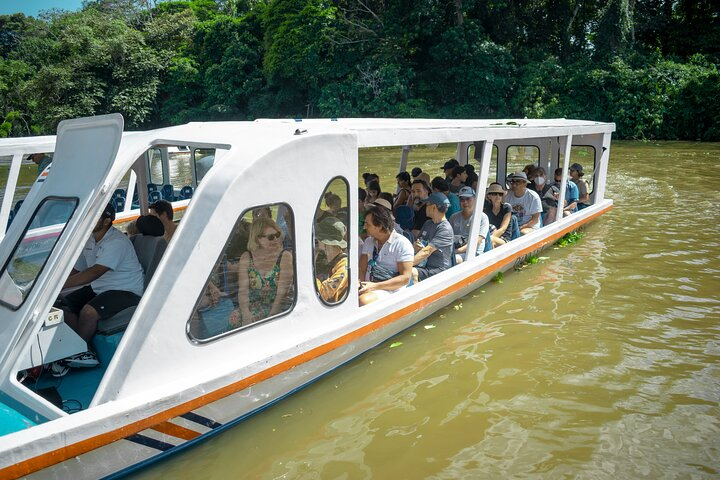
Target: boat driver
[(111, 278)]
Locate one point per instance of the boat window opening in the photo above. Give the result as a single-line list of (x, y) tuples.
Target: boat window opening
[(254, 279), (155, 166), (5, 162), (203, 160), (492, 174), (331, 234), (28, 174), (32, 251), (585, 156), (519, 156)]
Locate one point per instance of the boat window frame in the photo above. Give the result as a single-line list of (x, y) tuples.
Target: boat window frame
[(349, 232), (194, 160), (292, 305), (149, 164), (591, 188), (75, 201), (507, 159)]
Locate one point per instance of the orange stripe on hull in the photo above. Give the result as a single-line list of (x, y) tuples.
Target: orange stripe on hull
[(174, 430), (70, 451)]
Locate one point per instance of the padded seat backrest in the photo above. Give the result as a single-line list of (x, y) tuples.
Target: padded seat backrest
[(404, 216), (150, 251)]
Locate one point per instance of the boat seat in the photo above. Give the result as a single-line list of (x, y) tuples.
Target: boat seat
[(404, 216), (150, 251)]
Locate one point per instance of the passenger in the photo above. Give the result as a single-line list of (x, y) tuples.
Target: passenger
[(461, 223), (448, 168), (525, 203), (433, 249), (540, 185), (164, 211), (576, 173), (132, 229), (150, 225), (261, 212), (415, 173), (330, 234), (42, 160), (403, 183), (472, 177), (369, 177), (420, 192), (388, 254), (265, 274), (373, 192), (499, 215), (333, 203), (571, 196), (423, 177), (384, 202), (459, 176), (113, 281), (440, 185)]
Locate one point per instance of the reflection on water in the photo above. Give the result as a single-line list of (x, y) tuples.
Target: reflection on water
[(601, 361)]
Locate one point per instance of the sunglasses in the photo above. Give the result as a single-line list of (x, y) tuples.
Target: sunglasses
[(516, 181), (496, 193), (272, 237)]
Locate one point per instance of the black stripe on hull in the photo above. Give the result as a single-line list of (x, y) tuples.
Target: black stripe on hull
[(200, 420)]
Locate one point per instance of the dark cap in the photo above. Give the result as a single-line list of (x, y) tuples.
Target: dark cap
[(452, 163), (438, 199), (578, 168), (109, 211), (416, 171)]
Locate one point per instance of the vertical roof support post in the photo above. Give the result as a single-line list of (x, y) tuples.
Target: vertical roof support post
[(602, 157), (9, 197), (565, 146), (479, 197)]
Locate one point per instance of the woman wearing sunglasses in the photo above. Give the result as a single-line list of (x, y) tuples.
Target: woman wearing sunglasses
[(265, 273), (499, 214)]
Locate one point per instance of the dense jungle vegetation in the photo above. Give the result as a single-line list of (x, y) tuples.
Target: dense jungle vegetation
[(650, 66)]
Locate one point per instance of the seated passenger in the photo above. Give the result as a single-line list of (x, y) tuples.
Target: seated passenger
[(448, 169), (150, 225), (403, 185), (330, 234), (525, 203), (461, 223), (113, 281), (440, 185), (373, 192), (499, 215), (164, 211), (388, 257), (333, 203), (458, 177), (265, 274), (433, 249), (571, 197), (576, 174), (420, 192)]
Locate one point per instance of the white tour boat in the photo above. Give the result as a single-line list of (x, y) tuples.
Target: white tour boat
[(175, 369)]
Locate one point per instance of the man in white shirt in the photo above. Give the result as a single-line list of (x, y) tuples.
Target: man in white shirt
[(525, 203), (113, 281), (462, 221)]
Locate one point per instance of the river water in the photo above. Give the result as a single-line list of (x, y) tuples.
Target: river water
[(600, 361)]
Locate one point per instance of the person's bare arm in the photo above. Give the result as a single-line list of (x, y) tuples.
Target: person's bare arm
[(86, 276)]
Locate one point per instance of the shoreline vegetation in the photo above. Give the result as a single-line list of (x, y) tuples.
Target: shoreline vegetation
[(650, 66)]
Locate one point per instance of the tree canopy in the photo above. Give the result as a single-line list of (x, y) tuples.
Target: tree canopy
[(650, 66)]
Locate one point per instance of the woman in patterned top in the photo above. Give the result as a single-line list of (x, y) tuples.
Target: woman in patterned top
[(265, 273)]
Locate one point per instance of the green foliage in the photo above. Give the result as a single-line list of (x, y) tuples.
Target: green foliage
[(570, 239), (650, 66)]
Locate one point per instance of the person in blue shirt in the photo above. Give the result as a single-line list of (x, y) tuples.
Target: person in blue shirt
[(571, 193)]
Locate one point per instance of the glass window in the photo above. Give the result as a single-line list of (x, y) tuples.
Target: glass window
[(31, 253), (254, 278), (492, 173), (330, 246), (155, 166), (204, 160), (519, 156)]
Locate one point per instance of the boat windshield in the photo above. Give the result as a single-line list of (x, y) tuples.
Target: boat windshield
[(32, 251)]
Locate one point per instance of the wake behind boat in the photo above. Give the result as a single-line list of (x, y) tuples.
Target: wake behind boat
[(234, 314)]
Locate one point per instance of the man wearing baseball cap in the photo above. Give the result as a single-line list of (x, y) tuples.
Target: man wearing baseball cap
[(433, 248), (113, 281), (462, 221), (525, 203)]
